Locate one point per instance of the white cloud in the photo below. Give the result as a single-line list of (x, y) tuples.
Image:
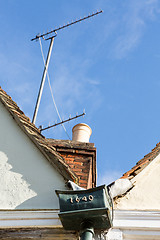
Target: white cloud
[(133, 25)]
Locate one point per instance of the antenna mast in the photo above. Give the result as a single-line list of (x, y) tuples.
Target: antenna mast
[(50, 36)]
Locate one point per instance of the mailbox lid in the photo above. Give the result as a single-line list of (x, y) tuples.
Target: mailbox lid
[(84, 199)]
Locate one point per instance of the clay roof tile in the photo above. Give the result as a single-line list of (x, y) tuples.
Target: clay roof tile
[(37, 138), (141, 164)]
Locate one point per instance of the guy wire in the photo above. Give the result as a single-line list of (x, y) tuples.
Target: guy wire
[(52, 91)]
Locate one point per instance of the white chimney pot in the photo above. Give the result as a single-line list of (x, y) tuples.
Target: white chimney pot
[(81, 132)]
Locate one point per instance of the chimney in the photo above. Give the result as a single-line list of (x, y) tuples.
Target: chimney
[(81, 132), (79, 155)]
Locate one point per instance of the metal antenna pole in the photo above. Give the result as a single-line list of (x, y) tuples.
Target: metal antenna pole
[(43, 81)]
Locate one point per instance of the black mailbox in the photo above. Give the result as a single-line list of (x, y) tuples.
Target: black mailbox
[(92, 205)]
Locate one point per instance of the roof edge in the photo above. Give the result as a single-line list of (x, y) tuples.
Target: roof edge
[(36, 137)]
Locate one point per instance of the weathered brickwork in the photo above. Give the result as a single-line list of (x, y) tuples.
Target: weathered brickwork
[(81, 158), (79, 164)]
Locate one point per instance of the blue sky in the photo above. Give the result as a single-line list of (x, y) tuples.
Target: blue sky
[(108, 65)]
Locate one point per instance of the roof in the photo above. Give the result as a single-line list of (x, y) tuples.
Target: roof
[(129, 190), (47, 149), (141, 164), (137, 188)]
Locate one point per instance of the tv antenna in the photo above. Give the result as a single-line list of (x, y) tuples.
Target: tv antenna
[(63, 121), (50, 36)]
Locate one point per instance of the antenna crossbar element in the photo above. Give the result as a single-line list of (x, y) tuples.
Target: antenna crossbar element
[(64, 121), (65, 26)]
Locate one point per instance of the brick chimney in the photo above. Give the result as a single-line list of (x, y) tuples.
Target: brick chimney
[(81, 158)]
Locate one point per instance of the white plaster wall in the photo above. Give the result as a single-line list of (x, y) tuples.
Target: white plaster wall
[(145, 194), (27, 179)]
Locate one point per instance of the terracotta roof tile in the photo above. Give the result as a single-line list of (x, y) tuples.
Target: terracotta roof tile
[(141, 164), (47, 149)]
